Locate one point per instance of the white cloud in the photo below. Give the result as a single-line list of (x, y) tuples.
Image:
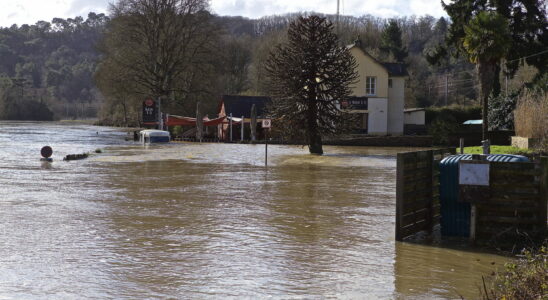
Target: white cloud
[(381, 8), (31, 11)]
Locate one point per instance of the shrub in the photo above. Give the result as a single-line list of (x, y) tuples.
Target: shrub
[(177, 130), (458, 113), (501, 109), (530, 116), (525, 279), (441, 128)]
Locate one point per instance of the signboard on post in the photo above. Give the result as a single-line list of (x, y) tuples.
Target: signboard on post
[(267, 123), (150, 112)]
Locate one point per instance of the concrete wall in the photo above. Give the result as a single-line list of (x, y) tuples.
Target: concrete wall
[(367, 66), (396, 96), (417, 117), (378, 116)]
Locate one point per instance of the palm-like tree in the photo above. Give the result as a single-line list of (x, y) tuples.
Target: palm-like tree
[(486, 41)]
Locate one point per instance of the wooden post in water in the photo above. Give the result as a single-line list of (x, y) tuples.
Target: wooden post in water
[(473, 221), (253, 124), (199, 123), (544, 190), (242, 124), (231, 127), (400, 164)]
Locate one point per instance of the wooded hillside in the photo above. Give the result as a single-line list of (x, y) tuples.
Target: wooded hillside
[(64, 65)]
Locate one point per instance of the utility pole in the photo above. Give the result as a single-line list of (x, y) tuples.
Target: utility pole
[(506, 85), (337, 19)]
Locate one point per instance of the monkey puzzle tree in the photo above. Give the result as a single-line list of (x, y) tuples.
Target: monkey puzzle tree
[(486, 41), (307, 76)]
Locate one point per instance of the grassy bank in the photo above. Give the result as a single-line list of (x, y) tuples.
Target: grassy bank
[(495, 149)]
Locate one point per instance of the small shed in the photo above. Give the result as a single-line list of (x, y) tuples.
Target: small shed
[(414, 121), (234, 107)]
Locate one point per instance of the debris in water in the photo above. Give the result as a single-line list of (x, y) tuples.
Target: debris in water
[(76, 156)]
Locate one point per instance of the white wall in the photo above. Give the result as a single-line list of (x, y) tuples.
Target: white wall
[(395, 105), (417, 117), (378, 116)]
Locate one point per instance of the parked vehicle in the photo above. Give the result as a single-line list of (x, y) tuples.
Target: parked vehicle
[(150, 136)]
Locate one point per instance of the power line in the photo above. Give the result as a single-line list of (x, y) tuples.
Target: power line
[(538, 53)]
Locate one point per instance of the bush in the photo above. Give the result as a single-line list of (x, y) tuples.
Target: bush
[(525, 279), (177, 130), (441, 128), (530, 117), (501, 110)]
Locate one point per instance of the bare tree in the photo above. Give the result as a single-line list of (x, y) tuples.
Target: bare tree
[(160, 44), (308, 76)]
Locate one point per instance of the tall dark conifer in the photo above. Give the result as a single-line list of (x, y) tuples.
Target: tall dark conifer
[(308, 76), (391, 42)]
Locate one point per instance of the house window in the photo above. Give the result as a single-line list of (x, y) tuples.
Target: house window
[(390, 83), (371, 86)]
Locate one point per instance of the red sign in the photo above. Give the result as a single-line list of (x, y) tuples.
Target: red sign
[(150, 112)]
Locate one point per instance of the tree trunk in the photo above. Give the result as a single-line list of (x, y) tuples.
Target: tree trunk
[(314, 136), (486, 73)]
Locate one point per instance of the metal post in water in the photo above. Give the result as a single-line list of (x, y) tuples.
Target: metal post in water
[(266, 148)]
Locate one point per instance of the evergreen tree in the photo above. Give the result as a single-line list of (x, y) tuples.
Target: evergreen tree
[(486, 42), (308, 76), (527, 23), (391, 41)]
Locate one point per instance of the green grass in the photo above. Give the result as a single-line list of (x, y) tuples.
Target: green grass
[(495, 149)]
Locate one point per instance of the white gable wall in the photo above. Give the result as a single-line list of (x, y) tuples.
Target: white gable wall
[(395, 105)]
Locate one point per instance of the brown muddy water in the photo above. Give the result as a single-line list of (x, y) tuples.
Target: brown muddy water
[(187, 221)]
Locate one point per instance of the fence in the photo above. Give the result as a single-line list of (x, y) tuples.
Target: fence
[(516, 203), (417, 191)]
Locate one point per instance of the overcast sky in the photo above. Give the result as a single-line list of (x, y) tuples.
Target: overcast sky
[(31, 11)]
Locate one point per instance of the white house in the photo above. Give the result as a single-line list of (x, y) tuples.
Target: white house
[(378, 96)]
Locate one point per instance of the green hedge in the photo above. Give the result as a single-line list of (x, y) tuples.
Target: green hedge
[(456, 113)]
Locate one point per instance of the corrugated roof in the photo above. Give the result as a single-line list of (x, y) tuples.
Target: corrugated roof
[(240, 106)]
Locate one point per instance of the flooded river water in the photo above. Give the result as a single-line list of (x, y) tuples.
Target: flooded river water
[(187, 220)]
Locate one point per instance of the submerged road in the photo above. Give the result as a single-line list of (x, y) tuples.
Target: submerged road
[(209, 221)]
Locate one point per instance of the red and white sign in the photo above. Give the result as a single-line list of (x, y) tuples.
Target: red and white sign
[(267, 123), (149, 102)]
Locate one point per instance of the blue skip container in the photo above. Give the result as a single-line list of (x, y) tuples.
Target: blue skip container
[(455, 216)]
